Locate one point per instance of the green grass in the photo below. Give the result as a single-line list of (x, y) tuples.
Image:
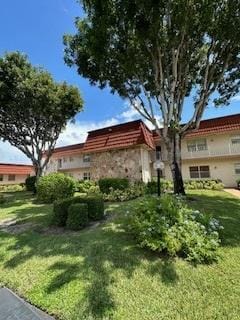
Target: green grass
[(101, 274)]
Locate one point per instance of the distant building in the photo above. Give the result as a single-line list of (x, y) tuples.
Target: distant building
[(14, 173), (128, 150)]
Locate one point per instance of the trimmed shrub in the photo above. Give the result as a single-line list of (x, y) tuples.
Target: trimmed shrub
[(208, 184), (12, 187), (108, 184), (60, 212), (167, 225), (77, 216), (55, 186), (95, 206), (83, 186), (30, 184), (166, 186)]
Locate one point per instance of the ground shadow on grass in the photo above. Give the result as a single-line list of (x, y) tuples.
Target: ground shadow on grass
[(91, 257), (226, 209)]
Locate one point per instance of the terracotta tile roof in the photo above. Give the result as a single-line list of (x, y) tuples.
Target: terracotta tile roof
[(211, 126), (217, 125), (119, 136), (8, 168), (71, 149)]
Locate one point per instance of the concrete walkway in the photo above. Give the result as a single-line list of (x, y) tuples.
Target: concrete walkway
[(234, 192), (14, 308)]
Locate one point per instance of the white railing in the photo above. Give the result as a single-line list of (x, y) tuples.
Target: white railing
[(225, 150), (75, 164)]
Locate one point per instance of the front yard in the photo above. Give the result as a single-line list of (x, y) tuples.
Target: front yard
[(100, 273)]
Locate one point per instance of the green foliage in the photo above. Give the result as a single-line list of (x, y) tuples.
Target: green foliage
[(30, 183), (133, 191), (77, 216), (55, 186), (166, 186), (108, 184), (87, 186), (208, 184), (167, 225), (60, 212), (33, 105), (95, 206), (2, 199), (12, 187)]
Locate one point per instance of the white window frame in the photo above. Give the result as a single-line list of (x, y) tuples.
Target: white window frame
[(197, 145), (199, 172), (86, 175), (237, 168), (86, 158)]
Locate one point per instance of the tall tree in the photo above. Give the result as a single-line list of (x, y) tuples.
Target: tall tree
[(34, 109), (157, 53)]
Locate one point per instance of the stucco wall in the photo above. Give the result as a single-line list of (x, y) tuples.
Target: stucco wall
[(117, 163), (219, 169), (18, 179)]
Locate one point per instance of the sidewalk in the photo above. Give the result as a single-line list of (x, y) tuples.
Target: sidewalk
[(234, 192)]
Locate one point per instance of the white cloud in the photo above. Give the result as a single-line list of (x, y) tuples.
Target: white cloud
[(236, 98), (151, 126), (129, 113)]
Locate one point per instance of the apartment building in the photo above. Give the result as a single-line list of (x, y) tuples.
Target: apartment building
[(14, 173), (128, 150)]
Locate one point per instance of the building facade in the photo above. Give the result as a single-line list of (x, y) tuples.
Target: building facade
[(128, 150), (14, 173)]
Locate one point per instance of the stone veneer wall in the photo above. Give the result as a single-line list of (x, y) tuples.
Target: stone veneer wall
[(117, 164)]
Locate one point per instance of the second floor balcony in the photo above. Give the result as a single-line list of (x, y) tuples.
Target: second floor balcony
[(212, 151)]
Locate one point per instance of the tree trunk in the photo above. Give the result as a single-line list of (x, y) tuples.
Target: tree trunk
[(175, 160)]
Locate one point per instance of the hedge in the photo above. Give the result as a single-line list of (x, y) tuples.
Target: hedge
[(30, 184), (108, 184), (77, 216)]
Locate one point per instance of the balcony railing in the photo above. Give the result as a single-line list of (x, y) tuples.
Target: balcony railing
[(74, 165), (225, 150)]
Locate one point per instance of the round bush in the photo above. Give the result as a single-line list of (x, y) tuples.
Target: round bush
[(30, 183), (55, 186), (77, 216)]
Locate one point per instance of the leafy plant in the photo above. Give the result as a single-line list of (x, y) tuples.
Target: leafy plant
[(77, 216), (60, 212), (133, 191), (168, 225), (2, 199), (55, 186), (108, 184)]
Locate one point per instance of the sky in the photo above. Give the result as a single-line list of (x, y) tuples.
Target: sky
[(36, 28)]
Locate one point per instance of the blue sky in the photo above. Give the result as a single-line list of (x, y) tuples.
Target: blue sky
[(36, 28)]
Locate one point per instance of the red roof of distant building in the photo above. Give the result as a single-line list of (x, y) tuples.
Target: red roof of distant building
[(119, 136), (9, 168)]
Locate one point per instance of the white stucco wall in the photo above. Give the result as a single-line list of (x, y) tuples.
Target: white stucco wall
[(20, 178)]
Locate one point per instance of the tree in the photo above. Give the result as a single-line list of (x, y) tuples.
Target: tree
[(157, 53), (33, 108)]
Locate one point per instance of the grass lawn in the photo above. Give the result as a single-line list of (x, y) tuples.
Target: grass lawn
[(100, 273)]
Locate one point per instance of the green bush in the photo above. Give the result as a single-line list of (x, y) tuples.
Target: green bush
[(12, 187), (30, 184), (167, 225), (83, 186), (166, 186), (55, 186), (95, 206), (2, 199), (108, 184), (77, 216), (132, 192), (208, 184), (60, 212)]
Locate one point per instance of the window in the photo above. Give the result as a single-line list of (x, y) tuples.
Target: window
[(197, 145), (1, 177), (11, 177), (197, 172), (86, 176), (71, 159), (86, 158), (237, 168), (64, 159), (235, 140), (59, 163)]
